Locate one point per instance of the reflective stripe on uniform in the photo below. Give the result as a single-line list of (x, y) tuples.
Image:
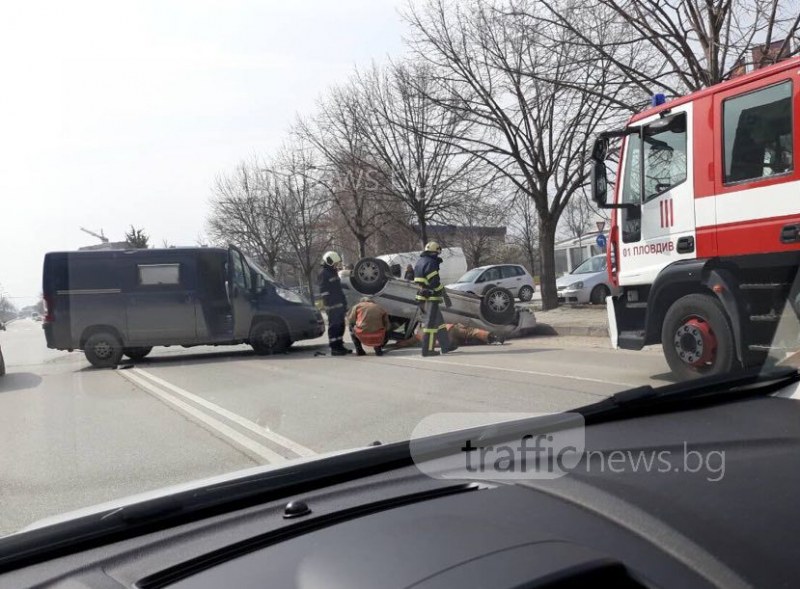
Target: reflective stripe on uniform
[(439, 288), (332, 307), (335, 339), (432, 274), (324, 294), (421, 280)]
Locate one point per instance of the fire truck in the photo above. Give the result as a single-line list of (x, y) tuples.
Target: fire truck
[(705, 232)]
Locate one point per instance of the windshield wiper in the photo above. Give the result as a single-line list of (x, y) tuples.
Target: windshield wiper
[(690, 395)]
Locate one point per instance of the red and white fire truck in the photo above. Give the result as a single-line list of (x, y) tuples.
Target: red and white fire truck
[(705, 233)]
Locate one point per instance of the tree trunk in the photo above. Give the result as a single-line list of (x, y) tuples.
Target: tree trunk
[(362, 247), (547, 278), (423, 228)]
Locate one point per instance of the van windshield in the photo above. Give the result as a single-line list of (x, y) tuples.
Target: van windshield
[(261, 277)]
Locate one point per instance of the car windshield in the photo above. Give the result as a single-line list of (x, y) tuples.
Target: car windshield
[(470, 276), (163, 162), (592, 265)]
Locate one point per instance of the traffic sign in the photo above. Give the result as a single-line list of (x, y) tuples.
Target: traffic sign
[(600, 225), (601, 241)]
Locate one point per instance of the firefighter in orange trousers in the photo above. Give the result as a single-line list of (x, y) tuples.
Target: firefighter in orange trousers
[(369, 325)]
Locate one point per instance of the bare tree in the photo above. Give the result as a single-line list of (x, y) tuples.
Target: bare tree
[(578, 217), (681, 46), (302, 208), (497, 70), (481, 216), (346, 171), (245, 211), (401, 125), (524, 230)]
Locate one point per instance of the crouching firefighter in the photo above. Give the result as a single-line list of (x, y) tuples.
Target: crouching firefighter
[(431, 294), (330, 289), (369, 326)]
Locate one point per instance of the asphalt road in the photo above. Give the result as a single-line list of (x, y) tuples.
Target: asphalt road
[(73, 436)]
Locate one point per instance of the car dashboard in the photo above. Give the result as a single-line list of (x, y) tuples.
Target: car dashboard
[(397, 527)]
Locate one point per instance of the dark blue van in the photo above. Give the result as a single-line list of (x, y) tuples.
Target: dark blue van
[(114, 302)]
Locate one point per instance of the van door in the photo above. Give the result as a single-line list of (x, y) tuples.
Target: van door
[(240, 289), (161, 304)]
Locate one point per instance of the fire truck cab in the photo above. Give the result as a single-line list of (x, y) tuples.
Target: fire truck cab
[(705, 232)]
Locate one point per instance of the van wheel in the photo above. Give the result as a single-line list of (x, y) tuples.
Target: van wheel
[(497, 306), (697, 338), (269, 337), (103, 349), (137, 353), (369, 276)]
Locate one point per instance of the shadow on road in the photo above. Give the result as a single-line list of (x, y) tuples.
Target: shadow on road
[(15, 381), (666, 376), (294, 353), (501, 350)]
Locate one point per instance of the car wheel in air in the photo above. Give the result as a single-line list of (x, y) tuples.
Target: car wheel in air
[(369, 276), (497, 306), (697, 338), (103, 349)]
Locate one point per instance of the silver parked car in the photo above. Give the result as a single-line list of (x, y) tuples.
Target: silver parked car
[(511, 276), (587, 283)]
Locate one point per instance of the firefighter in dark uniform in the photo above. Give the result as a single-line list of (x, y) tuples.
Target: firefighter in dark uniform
[(431, 294), (330, 289)]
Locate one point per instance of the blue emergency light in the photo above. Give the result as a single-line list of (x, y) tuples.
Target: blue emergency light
[(659, 99)]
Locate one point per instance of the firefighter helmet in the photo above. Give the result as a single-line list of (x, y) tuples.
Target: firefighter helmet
[(331, 258), (433, 246)]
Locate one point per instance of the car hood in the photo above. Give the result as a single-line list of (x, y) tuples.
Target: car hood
[(173, 489), (590, 278), (459, 286)]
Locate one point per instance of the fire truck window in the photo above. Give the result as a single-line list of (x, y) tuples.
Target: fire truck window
[(631, 191), (758, 134), (664, 156)]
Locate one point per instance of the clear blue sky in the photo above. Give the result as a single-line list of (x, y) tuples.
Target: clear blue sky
[(119, 113)]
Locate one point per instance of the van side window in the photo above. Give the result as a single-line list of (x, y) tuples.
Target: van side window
[(159, 274), (757, 133)]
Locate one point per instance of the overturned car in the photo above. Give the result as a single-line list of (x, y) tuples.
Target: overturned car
[(495, 311)]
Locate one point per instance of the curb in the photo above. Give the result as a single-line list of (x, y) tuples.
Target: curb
[(548, 329)]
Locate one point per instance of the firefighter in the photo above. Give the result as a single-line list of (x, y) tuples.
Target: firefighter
[(330, 289), (431, 294), (460, 335), (369, 325)]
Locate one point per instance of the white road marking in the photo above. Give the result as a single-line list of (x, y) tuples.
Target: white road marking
[(516, 370), (220, 428), (273, 437)]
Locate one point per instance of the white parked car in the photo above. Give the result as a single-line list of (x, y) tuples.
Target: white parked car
[(511, 276), (587, 283)]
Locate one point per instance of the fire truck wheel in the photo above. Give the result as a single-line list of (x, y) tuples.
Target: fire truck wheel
[(697, 338)]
